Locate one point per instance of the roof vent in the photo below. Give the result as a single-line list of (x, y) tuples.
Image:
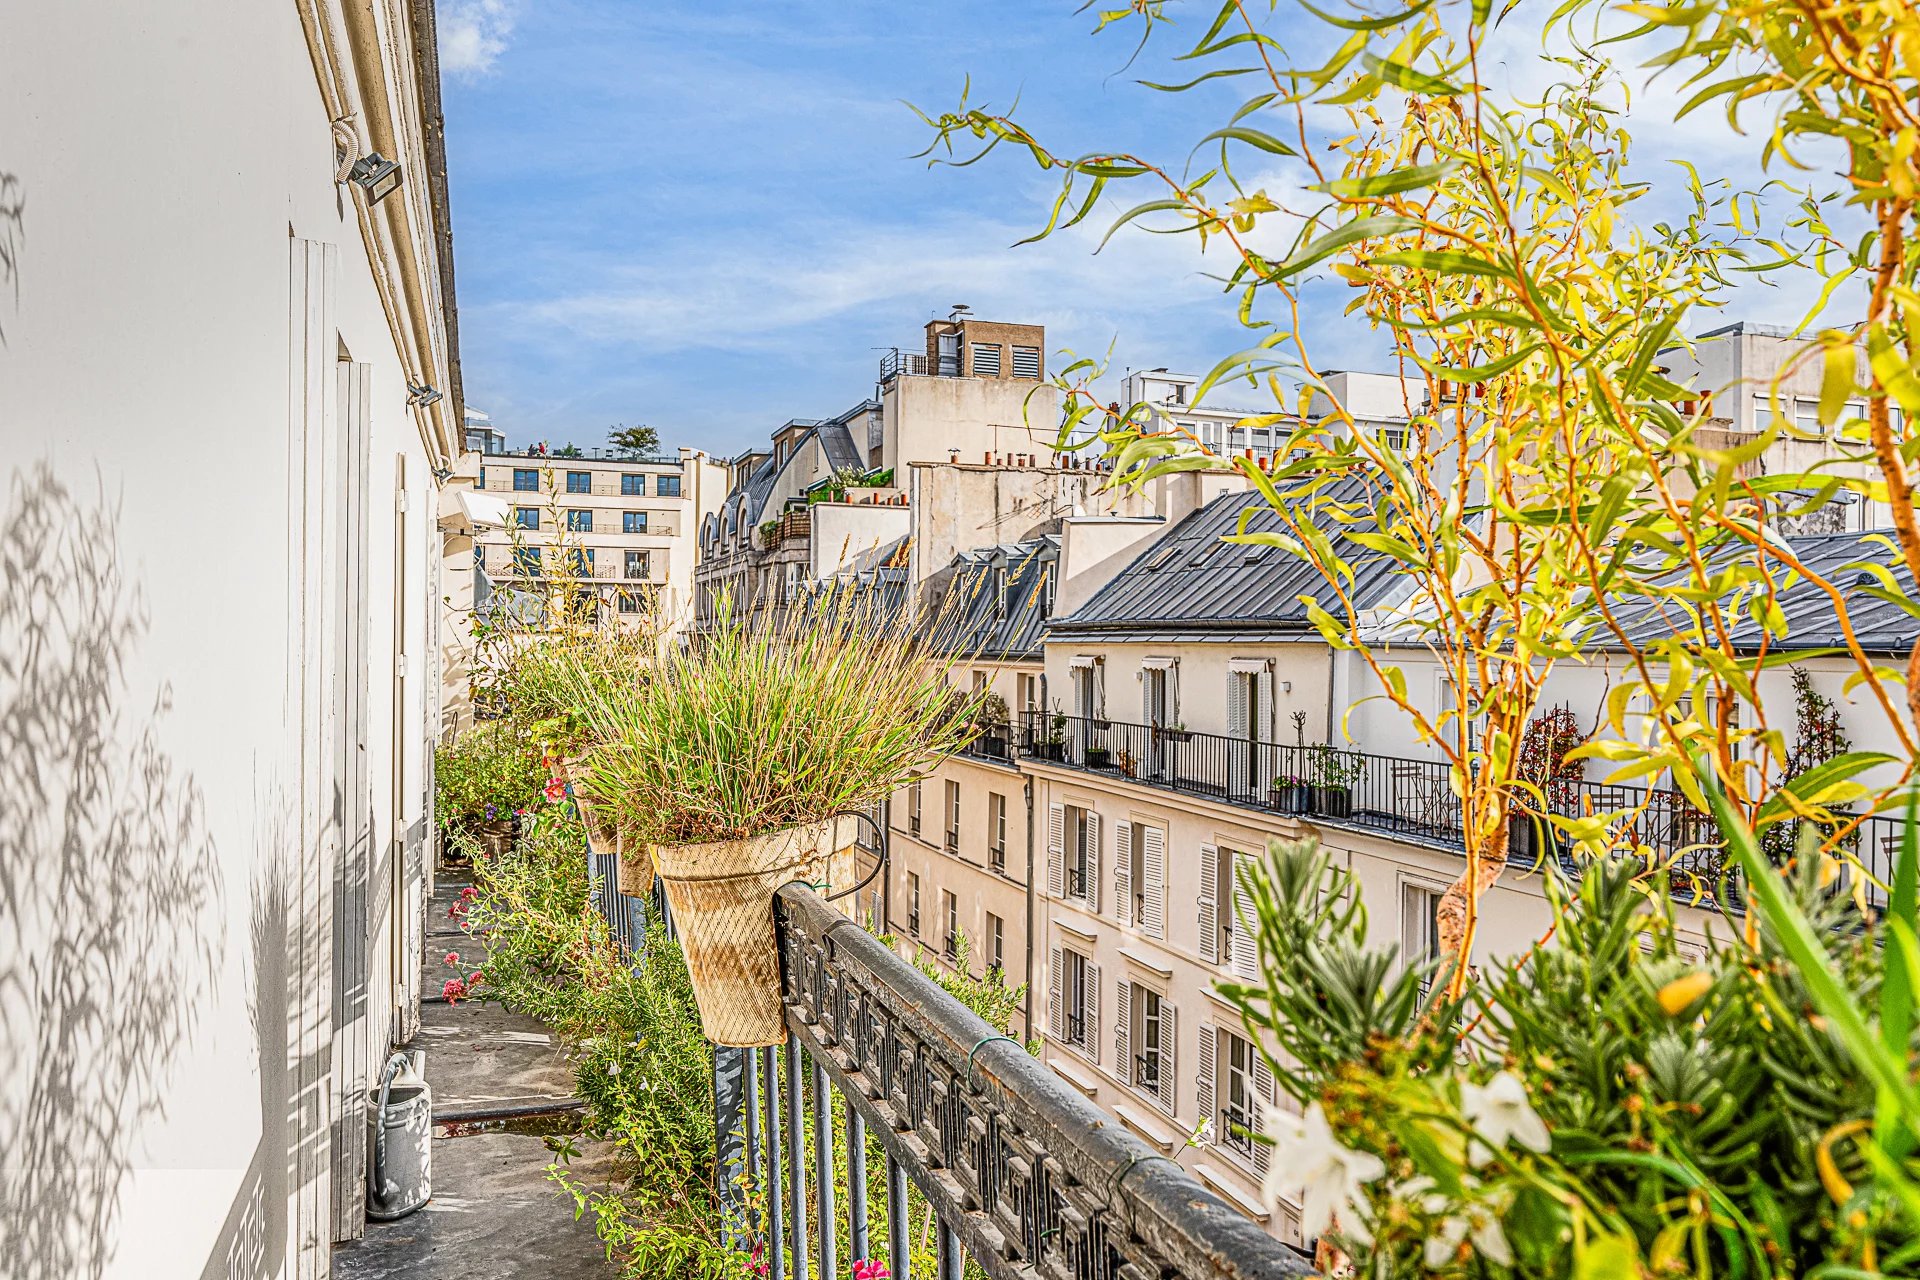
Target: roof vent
[(1865, 579)]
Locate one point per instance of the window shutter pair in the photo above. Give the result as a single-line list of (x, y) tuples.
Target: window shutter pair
[(1153, 905), (1093, 1012), (1056, 851), (1123, 873), (1204, 1085), (1263, 1094), (1246, 956), (1093, 862), (1210, 904), (1169, 1041), (1056, 1021)]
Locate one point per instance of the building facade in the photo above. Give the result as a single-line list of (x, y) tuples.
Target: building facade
[(232, 386), (623, 526)]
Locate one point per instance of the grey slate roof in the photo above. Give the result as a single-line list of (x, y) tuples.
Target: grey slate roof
[(977, 612), (1882, 626), (1189, 585), (836, 442)]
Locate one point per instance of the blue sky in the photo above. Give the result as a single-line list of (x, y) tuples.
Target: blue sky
[(704, 216)]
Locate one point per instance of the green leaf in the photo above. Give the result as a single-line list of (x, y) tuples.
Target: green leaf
[(1138, 211), (1607, 1257), (1402, 76), (1449, 262), (1891, 369), (1252, 137), (1838, 364), (1386, 224), (1389, 183), (1816, 786)]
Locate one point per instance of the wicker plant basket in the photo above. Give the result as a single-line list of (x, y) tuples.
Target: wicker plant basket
[(721, 896)]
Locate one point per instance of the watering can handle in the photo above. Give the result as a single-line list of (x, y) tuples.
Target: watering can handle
[(397, 1062)]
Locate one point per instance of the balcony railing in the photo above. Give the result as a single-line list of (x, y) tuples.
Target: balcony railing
[(1415, 800), (1020, 1175)]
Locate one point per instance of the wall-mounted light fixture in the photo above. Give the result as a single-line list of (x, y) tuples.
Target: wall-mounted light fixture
[(378, 176), (422, 395)]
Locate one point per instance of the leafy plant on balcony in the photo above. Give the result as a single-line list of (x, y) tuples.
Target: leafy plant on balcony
[(494, 766), (1333, 769), (765, 726), (1547, 768), (991, 713), (1619, 1105)]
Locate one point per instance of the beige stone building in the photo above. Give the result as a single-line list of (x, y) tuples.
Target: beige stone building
[(625, 525)]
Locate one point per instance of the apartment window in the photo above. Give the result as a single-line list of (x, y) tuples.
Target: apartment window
[(1393, 439), (1420, 924), (979, 683), (996, 946), (913, 904), (632, 486), (986, 360), (1222, 902), (526, 480), (637, 564), (1029, 694), (1073, 1001), (526, 561), (996, 832), (582, 562), (629, 602), (1144, 1042), (633, 522), (950, 912), (1139, 877), (1237, 1088), (526, 517), (666, 486), (483, 479), (580, 521), (913, 809), (579, 482), (1079, 847), (1026, 362), (953, 816)]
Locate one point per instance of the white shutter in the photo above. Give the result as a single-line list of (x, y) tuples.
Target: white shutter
[(1203, 1086), (1093, 862), (1266, 763), (1210, 904), (1093, 1011), (1100, 690), (1123, 1031), (1153, 859), (1173, 692), (1056, 964), (1056, 847), (1245, 958), (1123, 872), (1146, 696), (1263, 1093), (1169, 1043), (1237, 708)]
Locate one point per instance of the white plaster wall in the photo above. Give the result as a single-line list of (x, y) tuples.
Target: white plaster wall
[(166, 155)]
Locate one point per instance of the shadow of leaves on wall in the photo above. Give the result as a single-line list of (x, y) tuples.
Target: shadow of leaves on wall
[(13, 235), (107, 882)]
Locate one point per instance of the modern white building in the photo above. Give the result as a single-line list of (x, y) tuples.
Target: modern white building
[(227, 344)]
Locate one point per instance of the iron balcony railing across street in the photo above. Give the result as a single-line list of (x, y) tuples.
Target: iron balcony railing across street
[(888, 1076), (1414, 800)]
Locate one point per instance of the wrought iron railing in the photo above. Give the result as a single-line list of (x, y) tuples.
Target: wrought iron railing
[(1416, 800), (891, 1099)]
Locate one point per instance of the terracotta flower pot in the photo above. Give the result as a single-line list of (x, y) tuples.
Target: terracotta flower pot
[(721, 896)]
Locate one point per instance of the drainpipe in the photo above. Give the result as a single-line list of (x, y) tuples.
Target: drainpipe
[(1332, 659), (1027, 1003), (886, 872)]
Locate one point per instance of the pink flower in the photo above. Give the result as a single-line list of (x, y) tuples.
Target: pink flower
[(452, 989), (867, 1269), (453, 958), (556, 789), (469, 893), (475, 980)]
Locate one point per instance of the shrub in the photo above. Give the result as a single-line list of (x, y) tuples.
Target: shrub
[(760, 727), (494, 765)]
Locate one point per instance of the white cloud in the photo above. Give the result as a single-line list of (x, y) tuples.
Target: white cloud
[(473, 34)]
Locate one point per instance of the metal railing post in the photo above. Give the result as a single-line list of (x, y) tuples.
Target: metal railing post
[(730, 1111)]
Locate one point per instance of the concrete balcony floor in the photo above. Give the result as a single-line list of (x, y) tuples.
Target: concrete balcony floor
[(494, 1212)]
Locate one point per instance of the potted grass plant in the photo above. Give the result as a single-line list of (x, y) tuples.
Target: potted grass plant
[(736, 768)]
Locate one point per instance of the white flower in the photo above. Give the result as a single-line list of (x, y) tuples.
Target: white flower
[(1479, 1220), (1499, 1113), (1311, 1167)]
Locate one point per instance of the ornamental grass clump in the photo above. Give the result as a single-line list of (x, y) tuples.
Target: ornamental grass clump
[(758, 727)]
